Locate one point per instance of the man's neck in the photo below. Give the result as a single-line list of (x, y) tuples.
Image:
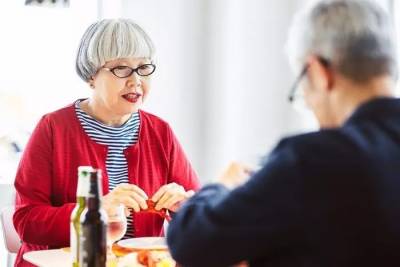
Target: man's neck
[(352, 95)]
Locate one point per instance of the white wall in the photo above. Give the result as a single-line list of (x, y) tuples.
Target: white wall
[(222, 77), (37, 51)]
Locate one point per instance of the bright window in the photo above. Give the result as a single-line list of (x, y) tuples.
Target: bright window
[(37, 71)]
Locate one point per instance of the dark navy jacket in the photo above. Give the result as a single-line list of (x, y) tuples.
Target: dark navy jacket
[(329, 198)]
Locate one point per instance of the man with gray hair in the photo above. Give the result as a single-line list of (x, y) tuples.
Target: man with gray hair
[(327, 198)]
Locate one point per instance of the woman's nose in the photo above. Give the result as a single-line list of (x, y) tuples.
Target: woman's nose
[(134, 80)]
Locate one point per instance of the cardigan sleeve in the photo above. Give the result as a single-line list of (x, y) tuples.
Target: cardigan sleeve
[(36, 220), (180, 169)]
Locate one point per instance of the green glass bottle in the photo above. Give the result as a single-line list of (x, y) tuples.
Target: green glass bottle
[(82, 192), (92, 240)]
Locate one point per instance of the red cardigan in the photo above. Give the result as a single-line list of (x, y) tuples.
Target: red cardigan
[(46, 179)]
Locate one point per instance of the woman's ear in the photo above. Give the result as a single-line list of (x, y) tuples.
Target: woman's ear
[(91, 83)]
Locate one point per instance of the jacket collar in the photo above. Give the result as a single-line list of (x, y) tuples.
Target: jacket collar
[(376, 108)]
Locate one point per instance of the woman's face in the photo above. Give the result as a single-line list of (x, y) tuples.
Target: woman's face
[(120, 96)]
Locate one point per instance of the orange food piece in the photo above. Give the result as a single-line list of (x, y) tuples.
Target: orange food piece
[(150, 258)]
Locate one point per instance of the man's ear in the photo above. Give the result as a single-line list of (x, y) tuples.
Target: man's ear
[(320, 73)]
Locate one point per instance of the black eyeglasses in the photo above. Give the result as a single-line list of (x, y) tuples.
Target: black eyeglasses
[(125, 71), (292, 91), (296, 83)]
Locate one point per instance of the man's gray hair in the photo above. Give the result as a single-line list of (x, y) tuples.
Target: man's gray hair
[(356, 37), (111, 39)]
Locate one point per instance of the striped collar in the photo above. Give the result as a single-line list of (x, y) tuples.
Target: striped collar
[(96, 129)]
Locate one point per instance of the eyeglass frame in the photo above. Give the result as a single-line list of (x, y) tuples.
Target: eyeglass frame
[(136, 70), (303, 72)]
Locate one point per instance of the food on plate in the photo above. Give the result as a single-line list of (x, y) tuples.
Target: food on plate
[(147, 258), (130, 245)]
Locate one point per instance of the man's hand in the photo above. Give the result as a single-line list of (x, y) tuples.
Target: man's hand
[(235, 175)]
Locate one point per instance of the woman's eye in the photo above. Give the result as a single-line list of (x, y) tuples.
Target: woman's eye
[(122, 67)]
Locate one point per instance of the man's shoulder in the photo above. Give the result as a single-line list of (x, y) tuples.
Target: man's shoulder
[(320, 144), (322, 137)]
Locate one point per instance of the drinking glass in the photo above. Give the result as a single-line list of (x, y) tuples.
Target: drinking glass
[(116, 226)]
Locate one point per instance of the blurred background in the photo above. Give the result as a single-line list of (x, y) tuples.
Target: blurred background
[(221, 82)]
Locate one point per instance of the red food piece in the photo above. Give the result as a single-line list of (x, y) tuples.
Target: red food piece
[(143, 257), (151, 208)]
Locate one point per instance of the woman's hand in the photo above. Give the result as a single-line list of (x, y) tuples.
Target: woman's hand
[(171, 196), (128, 194)]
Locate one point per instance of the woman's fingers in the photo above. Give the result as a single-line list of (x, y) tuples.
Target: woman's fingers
[(132, 200), (160, 192), (128, 194), (170, 203), (164, 198), (168, 195), (132, 187), (139, 199), (130, 203), (175, 206)]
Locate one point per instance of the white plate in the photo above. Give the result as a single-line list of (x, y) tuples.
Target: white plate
[(49, 258), (144, 243)]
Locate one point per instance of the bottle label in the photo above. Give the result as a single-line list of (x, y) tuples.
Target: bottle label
[(83, 181), (74, 245)]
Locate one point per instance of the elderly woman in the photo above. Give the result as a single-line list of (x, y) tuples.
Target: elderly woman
[(327, 198), (138, 152)]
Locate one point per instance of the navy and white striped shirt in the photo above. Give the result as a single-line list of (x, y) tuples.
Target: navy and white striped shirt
[(117, 139)]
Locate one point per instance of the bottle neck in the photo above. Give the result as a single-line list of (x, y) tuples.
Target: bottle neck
[(95, 192), (93, 203)]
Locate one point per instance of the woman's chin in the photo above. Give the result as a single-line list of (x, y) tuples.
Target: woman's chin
[(129, 112), (131, 108)]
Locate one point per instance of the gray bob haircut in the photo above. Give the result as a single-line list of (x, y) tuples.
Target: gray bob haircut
[(111, 39), (355, 36)]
